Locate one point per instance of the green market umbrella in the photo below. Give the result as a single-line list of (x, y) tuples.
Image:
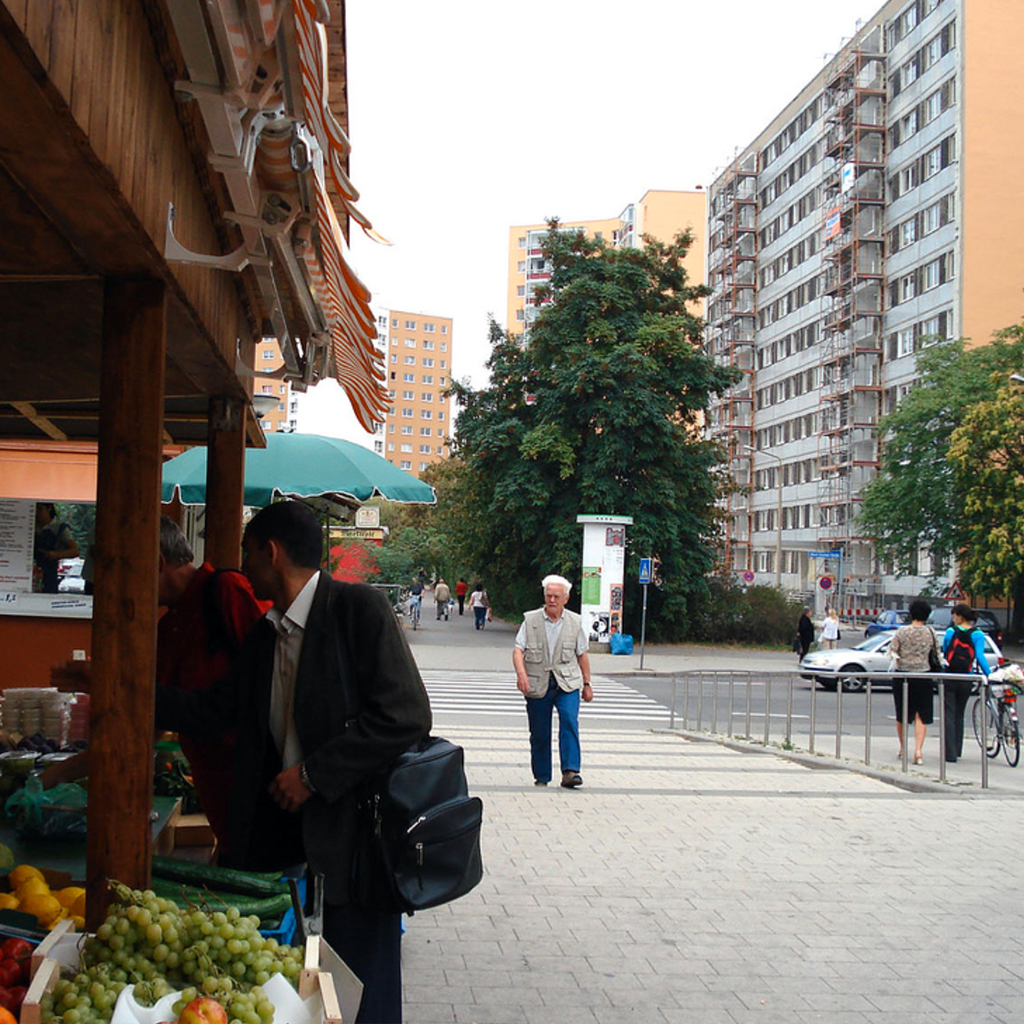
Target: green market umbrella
[(301, 466)]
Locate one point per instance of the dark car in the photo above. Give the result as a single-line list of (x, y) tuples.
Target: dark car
[(942, 619), (891, 618)]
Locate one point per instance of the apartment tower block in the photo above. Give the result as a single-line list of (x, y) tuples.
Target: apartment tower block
[(877, 213)]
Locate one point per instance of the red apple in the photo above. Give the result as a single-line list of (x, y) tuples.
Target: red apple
[(203, 1010)]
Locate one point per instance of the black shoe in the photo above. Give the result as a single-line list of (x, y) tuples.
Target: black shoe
[(539, 782), (571, 780)]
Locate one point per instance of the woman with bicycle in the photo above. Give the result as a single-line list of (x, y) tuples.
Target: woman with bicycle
[(910, 647)]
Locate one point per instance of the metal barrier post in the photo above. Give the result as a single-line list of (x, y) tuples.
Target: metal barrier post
[(983, 694), (714, 705), (905, 684), (675, 696), (813, 719), (839, 717), (867, 723), (942, 729), (767, 709), (732, 697), (746, 720), (789, 711), (700, 702)]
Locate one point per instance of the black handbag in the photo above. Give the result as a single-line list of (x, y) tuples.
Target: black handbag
[(934, 662), (418, 832)]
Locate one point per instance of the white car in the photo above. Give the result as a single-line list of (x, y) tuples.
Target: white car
[(871, 655)]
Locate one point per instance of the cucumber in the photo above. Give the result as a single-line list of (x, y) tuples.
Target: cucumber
[(220, 879), (266, 907)]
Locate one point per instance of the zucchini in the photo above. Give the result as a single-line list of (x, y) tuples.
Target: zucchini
[(218, 878), (266, 907)]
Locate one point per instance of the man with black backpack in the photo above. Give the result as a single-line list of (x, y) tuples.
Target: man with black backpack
[(963, 647)]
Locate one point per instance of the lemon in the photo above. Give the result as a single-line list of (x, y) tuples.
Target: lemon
[(8, 901), (43, 907), (77, 909), (32, 887), (20, 873), (79, 922), (66, 897), (60, 917)]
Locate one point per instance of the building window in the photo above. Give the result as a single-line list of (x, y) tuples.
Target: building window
[(425, 449), (391, 446), (429, 328), (427, 378), (409, 378), (407, 414), (426, 396), (425, 414), (520, 314), (426, 431), (410, 360), (410, 325), (521, 266), (410, 343), (408, 396), (522, 241), (405, 464), (406, 429), (428, 361), (444, 328), (428, 345), (406, 448), (520, 290)]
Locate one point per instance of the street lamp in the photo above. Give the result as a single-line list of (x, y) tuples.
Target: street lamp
[(778, 513)]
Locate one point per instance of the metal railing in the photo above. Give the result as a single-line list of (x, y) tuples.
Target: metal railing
[(701, 698)]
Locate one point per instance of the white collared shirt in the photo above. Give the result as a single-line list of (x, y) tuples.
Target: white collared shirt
[(291, 627)]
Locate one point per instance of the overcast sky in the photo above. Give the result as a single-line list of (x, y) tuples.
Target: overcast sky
[(469, 117)]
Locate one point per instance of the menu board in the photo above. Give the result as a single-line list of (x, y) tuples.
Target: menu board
[(17, 544)]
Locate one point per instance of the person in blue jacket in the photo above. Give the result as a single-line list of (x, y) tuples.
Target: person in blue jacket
[(963, 647)]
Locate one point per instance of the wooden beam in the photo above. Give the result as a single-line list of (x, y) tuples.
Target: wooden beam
[(125, 599), (225, 482), (29, 412)]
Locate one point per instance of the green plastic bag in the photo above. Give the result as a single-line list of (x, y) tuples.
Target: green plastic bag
[(57, 813)]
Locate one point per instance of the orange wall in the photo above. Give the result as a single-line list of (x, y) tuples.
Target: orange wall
[(40, 471), (31, 646), (992, 225)]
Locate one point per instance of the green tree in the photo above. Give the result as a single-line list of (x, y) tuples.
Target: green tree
[(600, 412), (918, 497), (987, 453)]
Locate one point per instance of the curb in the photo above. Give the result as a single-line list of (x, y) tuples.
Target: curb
[(821, 762)]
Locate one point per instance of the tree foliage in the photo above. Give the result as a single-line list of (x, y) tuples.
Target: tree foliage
[(919, 496), (987, 453), (600, 412)]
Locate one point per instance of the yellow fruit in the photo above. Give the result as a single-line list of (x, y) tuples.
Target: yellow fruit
[(67, 897), (79, 922), (60, 917), (44, 908), (20, 873), (32, 887), (8, 901), (77, 909)]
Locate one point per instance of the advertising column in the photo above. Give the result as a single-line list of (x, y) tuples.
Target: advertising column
[(604, 565)]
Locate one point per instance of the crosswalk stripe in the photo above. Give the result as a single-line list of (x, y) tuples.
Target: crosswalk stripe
[(495, 693)]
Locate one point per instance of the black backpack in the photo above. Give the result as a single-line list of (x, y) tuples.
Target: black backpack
[(960, 654)]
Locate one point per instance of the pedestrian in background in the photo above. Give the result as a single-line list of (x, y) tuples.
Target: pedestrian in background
[(442, 598), (552, 671), (805, 633), (910, 647), (830, 629), (963, 647), (481, 606), (460, 593)]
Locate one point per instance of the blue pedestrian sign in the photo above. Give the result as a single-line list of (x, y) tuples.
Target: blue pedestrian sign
[(645, 570)]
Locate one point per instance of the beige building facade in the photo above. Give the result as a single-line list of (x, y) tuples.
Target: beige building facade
[(417, 427), (659, 213), (875, 215), (268, 384)]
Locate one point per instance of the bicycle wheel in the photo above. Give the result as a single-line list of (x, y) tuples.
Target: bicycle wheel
[(1010, 734), (987, 736)]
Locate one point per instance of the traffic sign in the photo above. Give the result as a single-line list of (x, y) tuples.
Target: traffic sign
[(956, 592), (826, 582), (748, 577), (824, 554), (645, 570)]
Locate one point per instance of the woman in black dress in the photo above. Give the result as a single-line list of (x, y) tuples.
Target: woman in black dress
[(909, 648)]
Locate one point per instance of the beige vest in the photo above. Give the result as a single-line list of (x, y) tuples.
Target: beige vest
[(562, 661)]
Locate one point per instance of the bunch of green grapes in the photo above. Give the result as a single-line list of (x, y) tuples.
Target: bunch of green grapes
[(151, 943)]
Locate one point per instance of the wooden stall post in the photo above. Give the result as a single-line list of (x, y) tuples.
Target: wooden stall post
[(125, 600), (225, 483)]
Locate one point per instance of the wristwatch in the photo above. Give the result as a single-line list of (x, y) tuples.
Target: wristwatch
[(304, 777)]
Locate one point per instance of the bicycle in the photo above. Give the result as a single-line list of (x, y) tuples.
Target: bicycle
[(415, 607), (994, 716)]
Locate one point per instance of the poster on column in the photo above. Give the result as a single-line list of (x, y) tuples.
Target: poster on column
[(604, 562)]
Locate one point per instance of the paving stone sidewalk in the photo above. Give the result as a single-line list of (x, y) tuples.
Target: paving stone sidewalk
[(687, 882)]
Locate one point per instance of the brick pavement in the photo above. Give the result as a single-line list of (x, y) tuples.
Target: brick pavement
[(687, 882)]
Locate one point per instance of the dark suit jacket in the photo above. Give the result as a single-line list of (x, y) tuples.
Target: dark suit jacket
[(348, 730)]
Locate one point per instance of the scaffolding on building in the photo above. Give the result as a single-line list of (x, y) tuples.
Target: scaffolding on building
[(850, 383), (732, 320)]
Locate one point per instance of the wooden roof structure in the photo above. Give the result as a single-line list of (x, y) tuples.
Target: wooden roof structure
[(173, 187)]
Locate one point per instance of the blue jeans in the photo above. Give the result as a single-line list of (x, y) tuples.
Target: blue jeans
[(480, 615), (538, 711)]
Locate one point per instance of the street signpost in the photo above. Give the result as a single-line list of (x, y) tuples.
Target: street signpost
[(826, 582), (645, 579)]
